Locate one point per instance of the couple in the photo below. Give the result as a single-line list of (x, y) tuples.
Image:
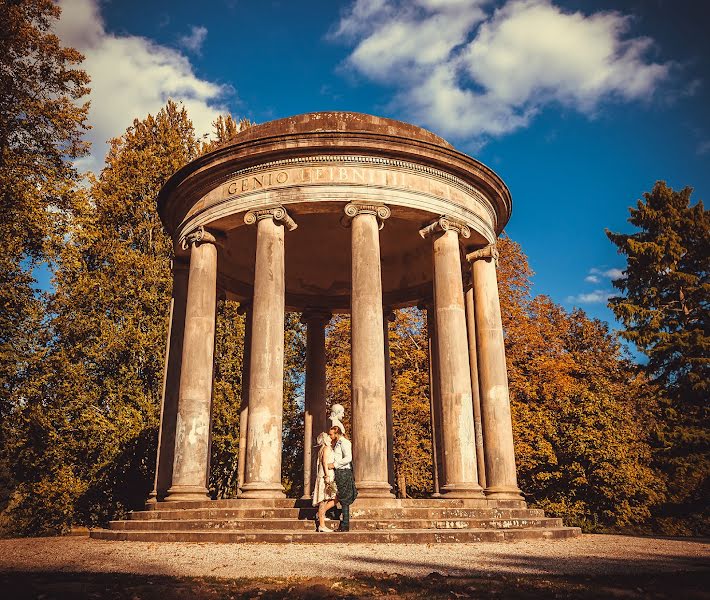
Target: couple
[(334, 476)]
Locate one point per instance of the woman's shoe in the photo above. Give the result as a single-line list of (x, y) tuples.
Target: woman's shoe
[(324, 529)]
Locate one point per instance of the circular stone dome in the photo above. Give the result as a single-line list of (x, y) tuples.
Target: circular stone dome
[(323, 122), (313, 165)]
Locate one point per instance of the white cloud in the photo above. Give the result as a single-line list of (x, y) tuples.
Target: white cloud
[(194, 40), (470, 73), (131, 76), (606, 273), (591, 279), (595, 297)]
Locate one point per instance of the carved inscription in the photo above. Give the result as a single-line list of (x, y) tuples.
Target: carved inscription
[(369, 176)]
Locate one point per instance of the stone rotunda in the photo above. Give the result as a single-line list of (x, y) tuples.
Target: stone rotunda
[(328, 213)]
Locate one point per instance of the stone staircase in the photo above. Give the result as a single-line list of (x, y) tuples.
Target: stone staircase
[(372, 520)]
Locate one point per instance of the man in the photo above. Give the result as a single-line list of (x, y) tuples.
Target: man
[(343, 465)]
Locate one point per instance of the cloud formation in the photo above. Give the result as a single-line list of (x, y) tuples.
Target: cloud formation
[(131, 76), (596, 276), (595, 297), (194, 40), (468, 70)]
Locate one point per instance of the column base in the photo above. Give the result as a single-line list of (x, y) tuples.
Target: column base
[(152, 498), (187, 493), (435, 495), (262, 489), (462, 490), (374, 489), (504, 492)]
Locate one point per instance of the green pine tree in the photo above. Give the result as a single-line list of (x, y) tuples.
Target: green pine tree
[(665, 309)]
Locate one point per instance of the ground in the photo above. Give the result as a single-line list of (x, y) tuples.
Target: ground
[(593, 566)]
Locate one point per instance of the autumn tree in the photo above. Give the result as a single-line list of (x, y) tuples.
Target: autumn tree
[(665, 309), (41, 124), (583, 415), (409, 360)]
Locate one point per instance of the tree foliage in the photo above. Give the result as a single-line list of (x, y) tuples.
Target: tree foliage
[(665, 308), (582, 412), (41, 124), (665, 301)]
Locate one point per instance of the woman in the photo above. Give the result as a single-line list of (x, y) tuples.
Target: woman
[(324, 490)]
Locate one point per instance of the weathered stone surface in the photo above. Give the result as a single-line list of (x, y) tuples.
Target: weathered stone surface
[(501, 478), (192, 428)]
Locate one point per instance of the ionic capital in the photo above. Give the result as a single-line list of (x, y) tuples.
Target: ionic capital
[(277, 213), (200, 236), (353, 209), (444, 224), (490, 251), (316, 315)]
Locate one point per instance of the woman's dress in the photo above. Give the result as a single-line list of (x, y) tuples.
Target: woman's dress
[(323, 475)]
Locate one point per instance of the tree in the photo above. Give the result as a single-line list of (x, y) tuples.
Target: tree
[(583, 415), (41, 126), (409, 359), (665, 309), (84, 435), (665, 301)]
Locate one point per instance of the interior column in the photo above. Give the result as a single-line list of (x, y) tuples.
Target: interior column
[(314, 416), (244, 309)]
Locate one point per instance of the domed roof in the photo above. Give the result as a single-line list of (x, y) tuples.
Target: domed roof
[(336, 121)]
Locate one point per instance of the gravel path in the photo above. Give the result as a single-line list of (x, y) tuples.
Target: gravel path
[(588, 555)]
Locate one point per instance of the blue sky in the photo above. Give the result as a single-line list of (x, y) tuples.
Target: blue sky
[(579, 105)]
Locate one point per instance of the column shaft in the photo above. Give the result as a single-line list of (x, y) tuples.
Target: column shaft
[(314, 418), (473, 359), (191, 462), (369, 413), (387, 317), (457, 429), (265, 416), (171, 384), (437, 444), (493, 377), (244, 408)]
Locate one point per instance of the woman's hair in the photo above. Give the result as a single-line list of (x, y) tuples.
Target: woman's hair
[(323, 439)]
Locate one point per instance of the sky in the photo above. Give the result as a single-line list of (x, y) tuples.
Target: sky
[(579, 105)]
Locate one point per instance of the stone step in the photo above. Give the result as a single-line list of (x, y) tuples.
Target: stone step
[(400, 536), (309, 524), (305, 503), (356, 511)]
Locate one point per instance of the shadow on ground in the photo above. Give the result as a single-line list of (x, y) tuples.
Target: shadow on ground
[(689, 585)]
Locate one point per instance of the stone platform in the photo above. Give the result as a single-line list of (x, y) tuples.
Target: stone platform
[(372, 521)]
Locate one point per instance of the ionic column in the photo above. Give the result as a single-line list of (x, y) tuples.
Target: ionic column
[(473, 360), (369, 411), (434, 401), (262, 477), (192, 431), (457, 431), (244, 309), (499, 452), (314, 415), (171, 384), (387, 318)]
